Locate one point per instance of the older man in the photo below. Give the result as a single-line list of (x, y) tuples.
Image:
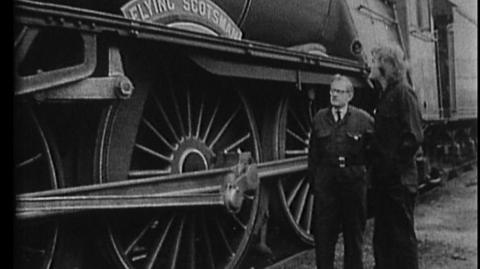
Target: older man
[(398, 135), (337, 163)]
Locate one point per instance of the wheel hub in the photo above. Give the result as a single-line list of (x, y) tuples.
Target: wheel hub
[(192, 154)]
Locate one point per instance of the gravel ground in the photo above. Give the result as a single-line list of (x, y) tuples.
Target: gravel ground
[(446, 225)]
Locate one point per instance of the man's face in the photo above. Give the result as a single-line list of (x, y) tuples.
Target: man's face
[(339, 96), (375, 73), (380, 70)]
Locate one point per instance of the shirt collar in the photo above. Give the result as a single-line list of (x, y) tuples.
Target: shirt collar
[(343, 111)]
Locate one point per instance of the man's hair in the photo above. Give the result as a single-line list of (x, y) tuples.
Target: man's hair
[(393, 54), (348, 83)]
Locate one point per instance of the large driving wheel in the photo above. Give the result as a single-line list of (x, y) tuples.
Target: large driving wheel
[(36, 240), (289, 133), (176, 127)]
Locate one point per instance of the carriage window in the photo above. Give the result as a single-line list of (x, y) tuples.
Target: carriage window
[(423, 14)]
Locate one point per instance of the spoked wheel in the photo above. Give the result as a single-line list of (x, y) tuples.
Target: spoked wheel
[(36, 241), (290, 133), (181, 128)]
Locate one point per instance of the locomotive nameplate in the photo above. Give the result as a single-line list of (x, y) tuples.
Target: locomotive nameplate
[(186, 14)]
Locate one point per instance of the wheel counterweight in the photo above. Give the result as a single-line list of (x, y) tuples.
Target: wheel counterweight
[(179, 127)]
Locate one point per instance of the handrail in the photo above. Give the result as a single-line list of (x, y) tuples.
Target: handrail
[(376, 15)]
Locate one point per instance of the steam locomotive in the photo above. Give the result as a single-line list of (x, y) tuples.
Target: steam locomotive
[(169, 133)]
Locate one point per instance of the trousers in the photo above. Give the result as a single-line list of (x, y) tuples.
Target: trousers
[(339, 207), (394, 239)]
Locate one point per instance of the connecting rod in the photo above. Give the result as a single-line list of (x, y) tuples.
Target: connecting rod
[(227, 186)]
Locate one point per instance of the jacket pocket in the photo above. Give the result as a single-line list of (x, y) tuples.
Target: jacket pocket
[(355, 136), (322, 139), (324, 133), (355, 140)]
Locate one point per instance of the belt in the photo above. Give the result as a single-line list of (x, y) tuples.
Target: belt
[(341, 161)]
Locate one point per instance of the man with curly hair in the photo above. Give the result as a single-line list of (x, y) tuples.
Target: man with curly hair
[(398, 136)]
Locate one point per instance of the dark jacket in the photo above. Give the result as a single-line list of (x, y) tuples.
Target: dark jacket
[(346, 139), (398, 135)]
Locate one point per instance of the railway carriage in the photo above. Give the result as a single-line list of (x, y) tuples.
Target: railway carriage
[(168, 133)]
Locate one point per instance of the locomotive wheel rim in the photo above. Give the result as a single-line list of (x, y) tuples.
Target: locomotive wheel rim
[(189, 136), (292, 138), (42, 236)]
